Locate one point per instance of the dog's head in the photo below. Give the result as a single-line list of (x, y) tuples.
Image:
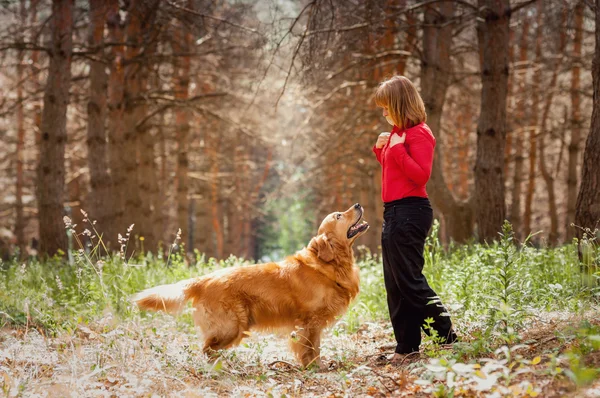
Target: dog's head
[(337, 233)]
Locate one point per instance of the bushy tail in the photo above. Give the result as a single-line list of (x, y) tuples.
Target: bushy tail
[(168, 298)]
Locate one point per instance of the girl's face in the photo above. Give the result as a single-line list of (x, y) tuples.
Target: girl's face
[(386, 115)]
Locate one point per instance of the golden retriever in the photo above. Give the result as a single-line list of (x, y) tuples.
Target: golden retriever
[(304, 293)]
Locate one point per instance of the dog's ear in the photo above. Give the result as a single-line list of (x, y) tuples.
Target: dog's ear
[(322, 246)]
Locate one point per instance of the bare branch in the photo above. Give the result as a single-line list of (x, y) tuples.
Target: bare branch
[(199, 14), (521, 5)]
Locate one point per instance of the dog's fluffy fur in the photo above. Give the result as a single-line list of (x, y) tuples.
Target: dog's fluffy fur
[(304, 293)]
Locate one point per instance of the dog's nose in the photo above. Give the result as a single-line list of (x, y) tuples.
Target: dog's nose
[(357, 206)]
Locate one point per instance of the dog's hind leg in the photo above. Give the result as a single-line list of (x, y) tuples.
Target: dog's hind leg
[(224, 335), (306, 345), (222, 340), (221, 327)]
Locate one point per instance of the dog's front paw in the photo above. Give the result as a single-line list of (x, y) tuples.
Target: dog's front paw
[(326, 366)]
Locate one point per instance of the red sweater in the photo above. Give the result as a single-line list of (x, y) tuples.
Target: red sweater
[(406, 167)]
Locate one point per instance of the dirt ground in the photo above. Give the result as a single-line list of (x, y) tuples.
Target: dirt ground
[(161, 356)]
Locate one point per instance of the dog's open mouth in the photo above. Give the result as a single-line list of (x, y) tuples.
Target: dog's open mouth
[(358, 227)]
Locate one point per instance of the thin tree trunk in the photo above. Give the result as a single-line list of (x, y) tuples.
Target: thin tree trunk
[(576, 124), (493, 37), (131, 194), (100, 194), (533, 137), (36, 86), (135, 164), (518, 172), (181, 46), (230, 227), (515, 211), (202, 231), (435, 79), (587, 214), (409, 41), (203, 201), (387, 42), (246, 207), (236, 201), (546, 173), (213, 149), (147, 178), (117, 155), (51, 169), (19, 154), (254, 199), (160, 216), (148, 184), (367, 198), (510, 99), (35, 72)]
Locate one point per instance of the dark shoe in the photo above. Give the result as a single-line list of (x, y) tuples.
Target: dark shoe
[(404, 359), (451, 339)]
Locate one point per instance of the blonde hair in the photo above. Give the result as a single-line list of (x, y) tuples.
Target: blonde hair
[(402, 100)]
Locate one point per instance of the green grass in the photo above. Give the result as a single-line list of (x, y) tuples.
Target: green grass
[(493, 289), (494, 293)]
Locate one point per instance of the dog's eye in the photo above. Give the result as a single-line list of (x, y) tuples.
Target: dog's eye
[(338, 216)]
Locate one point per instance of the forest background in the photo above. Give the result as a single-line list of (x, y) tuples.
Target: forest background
[(244, 123)]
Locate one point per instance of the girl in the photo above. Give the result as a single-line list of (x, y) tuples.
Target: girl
[(406, 157)]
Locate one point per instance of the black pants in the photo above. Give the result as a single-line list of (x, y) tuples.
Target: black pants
[(405, 227)]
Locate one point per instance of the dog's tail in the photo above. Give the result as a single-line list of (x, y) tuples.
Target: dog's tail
[(168, 298)]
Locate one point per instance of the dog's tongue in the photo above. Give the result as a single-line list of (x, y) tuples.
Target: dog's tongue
[(357, 226)]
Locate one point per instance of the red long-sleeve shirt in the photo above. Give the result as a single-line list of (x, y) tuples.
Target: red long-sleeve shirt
[(406, 168)]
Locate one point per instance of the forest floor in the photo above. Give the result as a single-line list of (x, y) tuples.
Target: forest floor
[(160, 355)]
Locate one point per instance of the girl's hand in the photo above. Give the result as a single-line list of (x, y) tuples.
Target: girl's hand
[(382, 140), (396, 139)]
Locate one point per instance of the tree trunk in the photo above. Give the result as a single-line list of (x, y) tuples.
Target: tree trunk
[(533, 137), (546, 173), (510, 100), (147, 177), (131, 195), (246, 207), (51, 169), (148, 185), (35, 72), (181, 47), (160, 211), (135, 146), (117, 155), (520, 80), (213, 149), (493, 37), (100, 194), (19, 153), (576, 124), (36, 86), (435, 79), (409, 41), (230, 227), (203, 197), (587, 214)]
